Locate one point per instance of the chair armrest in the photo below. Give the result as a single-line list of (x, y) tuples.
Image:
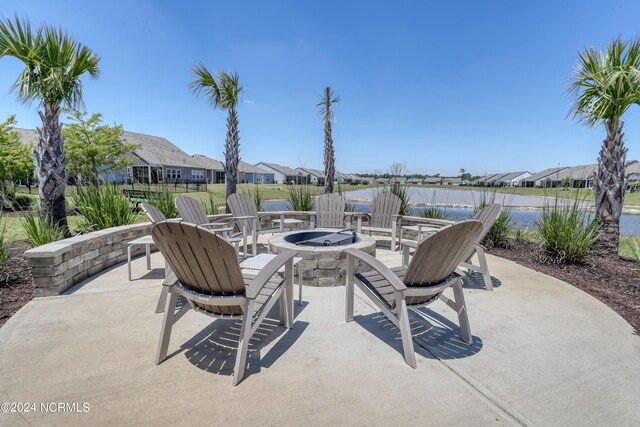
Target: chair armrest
[(377, 265), (410, 243), (170, 280), (267, 272)]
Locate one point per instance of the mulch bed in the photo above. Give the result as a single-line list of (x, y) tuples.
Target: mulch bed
[(16, 287), (612, 280)]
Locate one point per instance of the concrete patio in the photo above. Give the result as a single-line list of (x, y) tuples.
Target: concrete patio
[(544, 353)]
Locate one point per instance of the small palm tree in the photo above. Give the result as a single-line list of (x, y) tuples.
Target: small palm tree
[(606, 84), (54, 64), (223, 92), (325, 111)]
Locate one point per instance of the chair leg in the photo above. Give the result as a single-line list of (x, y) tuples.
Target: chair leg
[(405, 330), (163, 299), (348, 317), (393, 236), (287, 295), (243, 344), (167, 325), (461, 309), (482, 260)]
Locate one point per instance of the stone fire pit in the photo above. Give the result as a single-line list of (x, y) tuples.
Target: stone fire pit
[(322, 265)]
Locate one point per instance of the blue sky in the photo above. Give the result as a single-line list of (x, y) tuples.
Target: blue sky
[(438, 85)]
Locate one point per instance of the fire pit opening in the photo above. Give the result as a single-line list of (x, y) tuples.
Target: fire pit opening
[(323, 238)]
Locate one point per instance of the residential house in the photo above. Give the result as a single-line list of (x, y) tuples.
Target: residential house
[(250, 174), (512, 179), (576, 176), (415, 181), (542, 179), (312, 176), (215, 169), (432, 180), (283, 174)]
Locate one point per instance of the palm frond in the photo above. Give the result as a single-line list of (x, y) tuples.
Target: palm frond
[(54, 62), (205, 84), (326, 101), (606, 83)]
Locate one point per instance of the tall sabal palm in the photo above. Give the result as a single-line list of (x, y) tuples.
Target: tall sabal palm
[(325, 110), (223, 92), (54, 64), (606, 84)]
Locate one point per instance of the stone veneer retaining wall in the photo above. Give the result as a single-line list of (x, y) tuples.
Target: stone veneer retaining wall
[(58, 266)]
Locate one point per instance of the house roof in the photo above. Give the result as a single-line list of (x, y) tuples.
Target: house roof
[(285, 170), (432, 180), (544, 174), (249, 168), (315, 172), (155, 150), (511, 176), (577, 172), (633, 168), (208, 162), (152, 150), (494, 177)]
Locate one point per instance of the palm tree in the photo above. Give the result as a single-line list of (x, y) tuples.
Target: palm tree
[(605, 85), (54, 64), (223, 93), (326, 113)]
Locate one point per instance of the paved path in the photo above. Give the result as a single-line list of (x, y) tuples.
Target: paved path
[(544, 353)]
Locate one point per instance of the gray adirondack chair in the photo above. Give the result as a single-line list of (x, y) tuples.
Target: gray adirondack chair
[(384, 217), (155, 216), (244, 211), (192, 211), (329, 212), (209, 277), (431, 271), (487, 216)]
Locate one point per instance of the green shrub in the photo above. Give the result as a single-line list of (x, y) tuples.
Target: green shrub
[(567, 232), (434, 212), (165, 201), (41, 232), (102, 207), (349, 207), (300, 198)]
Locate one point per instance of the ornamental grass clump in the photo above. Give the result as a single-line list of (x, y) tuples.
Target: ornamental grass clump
[(568, 232), (102, 207), (165, 201), (300, 198), (256, 197), (4, 244), (41, 232), (434, 212)]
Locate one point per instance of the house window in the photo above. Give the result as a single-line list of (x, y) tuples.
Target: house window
[(258, 179), (174, 174), (197, 175)]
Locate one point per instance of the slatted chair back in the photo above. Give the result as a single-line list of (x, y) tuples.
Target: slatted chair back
[(487, 216), (438, 255), (202, 262), (383, 207), (154, 214), (240, 205), (330, 211), (191, 210)]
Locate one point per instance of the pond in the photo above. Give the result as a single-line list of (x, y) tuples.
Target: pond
[(523, 219)]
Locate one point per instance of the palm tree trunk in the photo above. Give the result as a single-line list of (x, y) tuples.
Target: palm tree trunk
[(51, 167), (232, 153), (329, 158), (610, 186)]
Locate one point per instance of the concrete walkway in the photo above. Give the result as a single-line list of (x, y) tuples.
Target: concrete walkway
[(544, 353)]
